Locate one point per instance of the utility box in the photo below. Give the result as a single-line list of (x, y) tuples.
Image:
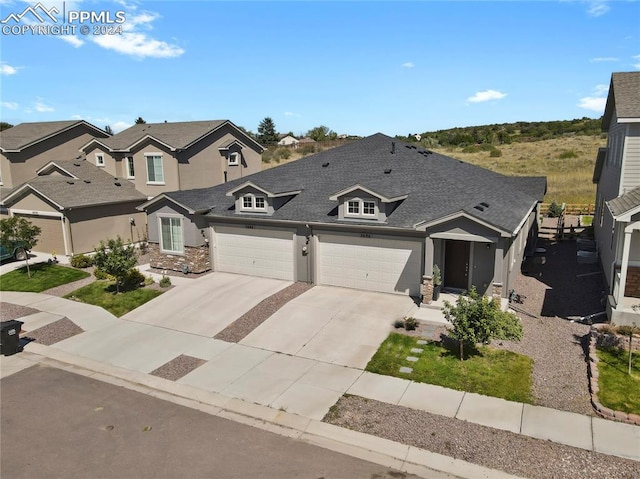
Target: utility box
[(10, 337)]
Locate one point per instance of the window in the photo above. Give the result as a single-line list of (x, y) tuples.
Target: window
[(131, 173), (171, 235), (234, 159), (252, 202), (353, 207), (155, 173), (99, 159), (368, 208)]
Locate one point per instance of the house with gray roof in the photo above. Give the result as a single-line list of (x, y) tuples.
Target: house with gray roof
[(159, 157), (27, 147), (617, 219), (377, 214), (77, 205)]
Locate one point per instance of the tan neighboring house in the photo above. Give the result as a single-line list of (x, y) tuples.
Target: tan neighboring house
[(77, 205), (160, 157), (617, 220), (289, 141), (27, 147)]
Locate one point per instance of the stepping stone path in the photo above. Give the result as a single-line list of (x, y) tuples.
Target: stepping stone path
[(412, 359), (417, 350), (421, 341), (406, 370)]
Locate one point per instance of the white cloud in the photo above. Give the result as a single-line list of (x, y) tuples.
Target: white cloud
[(134, 41), (118, 126), (72, 40), (9, 105), (601, 89), (6, 69), (597, 8), (290, 113), (486, 95), (408, 65), (603, 59), (637, 59), (41, 107), (597, 101)]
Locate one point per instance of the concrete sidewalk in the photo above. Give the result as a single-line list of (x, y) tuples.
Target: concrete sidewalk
[(305, 388)]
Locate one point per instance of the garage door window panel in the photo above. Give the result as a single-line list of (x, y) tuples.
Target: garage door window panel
[(172, 237)]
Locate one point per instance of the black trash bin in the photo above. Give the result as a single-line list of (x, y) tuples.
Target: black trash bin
[(10, 337)]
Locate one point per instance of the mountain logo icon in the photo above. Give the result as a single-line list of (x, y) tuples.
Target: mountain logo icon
[(38, 11)]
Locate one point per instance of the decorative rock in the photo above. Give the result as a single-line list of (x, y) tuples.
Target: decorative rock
[(421, 341), (412, 359), (417, 350), (406, 370), (634, 418)]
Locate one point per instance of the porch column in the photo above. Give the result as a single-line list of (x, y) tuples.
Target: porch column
[(626, 248), (426, 289), (498, 266)]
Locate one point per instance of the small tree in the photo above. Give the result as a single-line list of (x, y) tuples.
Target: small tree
[(267, 132), (116, 259), (478, 319), (140, 121), (108, 129), (322, 133), (20, 231)]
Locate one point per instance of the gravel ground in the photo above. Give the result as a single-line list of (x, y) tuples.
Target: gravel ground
[(492, 448), (54, 332), (63, 289), (9, 311), (178, 367), (253, 318)]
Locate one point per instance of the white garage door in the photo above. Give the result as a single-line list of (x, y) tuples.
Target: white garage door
[(256, 252), (373, 264), (51, 238)]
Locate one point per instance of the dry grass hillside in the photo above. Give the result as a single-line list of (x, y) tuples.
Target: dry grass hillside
[(567, 163)]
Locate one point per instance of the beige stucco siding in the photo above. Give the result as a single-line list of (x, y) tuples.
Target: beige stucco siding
[(110, 163), (31, 202), (169, 168), (91, 225), (65, 146)]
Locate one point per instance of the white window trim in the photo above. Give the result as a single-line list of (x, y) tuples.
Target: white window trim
[(253, 206), (233, 159), (375, 208), (160, 239), (128, 171), (100, 159), (361, 213), (146, 158), (348, 206)]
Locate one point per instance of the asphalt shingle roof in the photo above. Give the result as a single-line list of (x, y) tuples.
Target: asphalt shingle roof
[(25, 134), (176, 134), (624, 97), (624, 203), (92, 187), (436, 185)]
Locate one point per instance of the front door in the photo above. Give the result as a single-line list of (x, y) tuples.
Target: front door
[(456, 264)]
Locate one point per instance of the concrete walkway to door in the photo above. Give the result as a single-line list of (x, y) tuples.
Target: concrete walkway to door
[(333, 325)]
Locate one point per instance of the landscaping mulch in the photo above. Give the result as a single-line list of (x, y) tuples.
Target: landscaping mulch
[(178, 367), (496, 449), (249, 321), (9, 311), (55, 332)]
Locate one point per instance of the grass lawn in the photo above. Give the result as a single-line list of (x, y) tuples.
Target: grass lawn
[(103, 294), (43, 276), (618, 390), (488, 371)]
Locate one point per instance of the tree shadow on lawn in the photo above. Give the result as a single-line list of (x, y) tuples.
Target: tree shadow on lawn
[(452, 348)]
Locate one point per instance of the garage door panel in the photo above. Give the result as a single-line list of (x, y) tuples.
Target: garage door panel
[(51, 237), (374, 264), (255, 252)]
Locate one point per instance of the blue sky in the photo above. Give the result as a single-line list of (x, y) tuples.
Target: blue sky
[(357, 67)]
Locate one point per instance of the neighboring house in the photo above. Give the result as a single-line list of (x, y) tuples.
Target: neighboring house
[(27, 147), (375, 214), (617, 219), (289, 141), (158, 157), (306, 141), (76, 205)]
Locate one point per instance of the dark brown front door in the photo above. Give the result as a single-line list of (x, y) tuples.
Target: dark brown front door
[(456, 264)]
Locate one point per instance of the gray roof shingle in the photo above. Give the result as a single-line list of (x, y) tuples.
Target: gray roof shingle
[(625, 203), (91, 187), (26, 134), (437, 186), (623, 98)]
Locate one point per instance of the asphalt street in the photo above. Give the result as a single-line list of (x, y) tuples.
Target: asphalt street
[(56, 424)]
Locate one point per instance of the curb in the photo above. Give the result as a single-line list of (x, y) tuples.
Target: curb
[(367, 447), (594, 389)]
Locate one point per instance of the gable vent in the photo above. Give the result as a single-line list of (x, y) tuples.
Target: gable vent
[(387, 171), (324, 165)]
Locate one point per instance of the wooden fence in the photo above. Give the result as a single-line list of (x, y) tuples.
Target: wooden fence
[(571, 209)]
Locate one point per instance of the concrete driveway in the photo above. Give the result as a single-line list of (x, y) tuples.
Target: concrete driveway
[(207, 305), (333, 325)]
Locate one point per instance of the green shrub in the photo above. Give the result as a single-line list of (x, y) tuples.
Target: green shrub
[(99, 273), (555, 210), (307, 149), (267, 156), (398, 323), (410, 324), (133, 279), (627, 330), (165, 282), (81, 261), (148, 280), (471, 149), (283, 153), (495, 153), (567, 154)]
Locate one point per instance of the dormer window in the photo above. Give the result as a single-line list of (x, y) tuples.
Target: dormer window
[(368, 208), (353, 207), (234, 159), (99, 159), (254, 203), (357, 207)]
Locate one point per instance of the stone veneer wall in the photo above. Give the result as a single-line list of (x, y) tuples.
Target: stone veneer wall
[(632, 287), (196, 258), (426, 289), (496, 290)]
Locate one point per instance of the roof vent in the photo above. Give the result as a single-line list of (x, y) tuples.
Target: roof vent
[(87, 181), (76, 164), (70, 182), (117, 183), (393, 147), (387, 171), (479, 208), (485, 204), (324, 165)]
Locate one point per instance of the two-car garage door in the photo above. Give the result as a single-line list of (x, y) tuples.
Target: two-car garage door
[(51, 237), (254, 251), (373, 264)]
